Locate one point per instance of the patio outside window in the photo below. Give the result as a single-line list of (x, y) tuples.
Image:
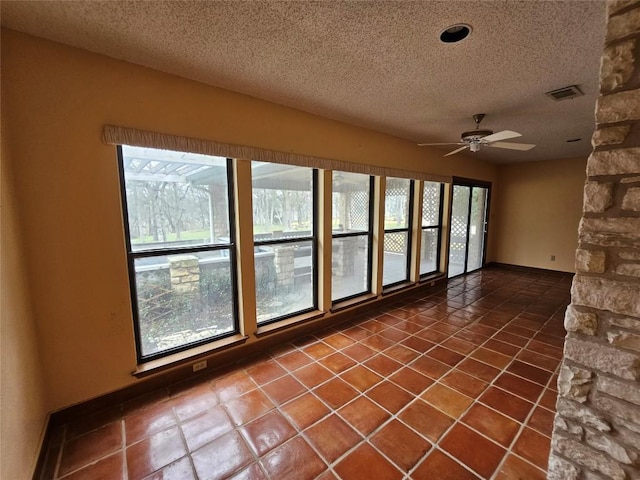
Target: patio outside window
[(397, 230), (432, 193), (284, 232), (180, 248), (351, 229)]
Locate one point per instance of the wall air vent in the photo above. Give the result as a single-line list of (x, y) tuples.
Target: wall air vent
[(566, 93)]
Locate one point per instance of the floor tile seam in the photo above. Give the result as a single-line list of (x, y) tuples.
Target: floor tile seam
[(176, 423), (281, 410), (102, 457), (524, 425), (256, 457), (366, 440), (93, 462), (519, 457), (437, 447), (328, 465), (185, 444)]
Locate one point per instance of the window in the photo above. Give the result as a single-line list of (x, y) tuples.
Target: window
[(180, 248), (432, 194), (397, 230), (284, 233), (351, 226)]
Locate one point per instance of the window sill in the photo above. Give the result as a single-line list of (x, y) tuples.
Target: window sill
[(282, 324), (398, 287), (188, 356), (432, 277), (352, 302)]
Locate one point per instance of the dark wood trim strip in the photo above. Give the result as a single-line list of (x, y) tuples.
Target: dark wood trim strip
[(522, 268)]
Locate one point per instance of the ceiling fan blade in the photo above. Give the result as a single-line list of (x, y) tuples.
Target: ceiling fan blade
[(456, 150), (512, 146), (503, 135), (436, 144)]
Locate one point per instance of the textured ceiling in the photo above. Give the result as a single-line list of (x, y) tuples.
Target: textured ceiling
[(377, 64)]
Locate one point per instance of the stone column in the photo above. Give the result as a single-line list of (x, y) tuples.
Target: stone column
[(284, 261), (597, 426), (185, 274), (344, 255)]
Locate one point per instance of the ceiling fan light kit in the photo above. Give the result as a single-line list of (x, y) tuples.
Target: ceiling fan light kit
[(474, 139)]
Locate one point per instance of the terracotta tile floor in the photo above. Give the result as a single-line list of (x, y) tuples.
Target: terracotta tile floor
[(457, 384)]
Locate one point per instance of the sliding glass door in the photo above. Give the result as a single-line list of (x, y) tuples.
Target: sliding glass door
[(468, 228)]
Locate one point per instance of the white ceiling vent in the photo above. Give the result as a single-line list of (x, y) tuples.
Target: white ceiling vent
[(565, 93)]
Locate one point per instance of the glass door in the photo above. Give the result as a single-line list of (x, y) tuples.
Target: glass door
[(468, 228)]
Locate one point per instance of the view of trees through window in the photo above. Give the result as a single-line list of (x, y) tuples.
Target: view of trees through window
[(181, 242), (178, 220), (284, 239)]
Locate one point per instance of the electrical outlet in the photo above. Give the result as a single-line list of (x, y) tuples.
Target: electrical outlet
[(199, 365), (553, 258)]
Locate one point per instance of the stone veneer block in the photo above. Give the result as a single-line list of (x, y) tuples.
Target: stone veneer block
[(619, 408), (629, 255), (630, 179), (603, 294), (610, 135), (581, 322), (618, 107), (574, 383), (624, 24), (619, 389), (590, 458), (631, 200), (614, 162), (630, 323), (603, 357), (617, 66), (606, 444), (572, 428), (625, 435), (624, 340), (560, 469), (597, 196), (591, 261), (583, 414), (629, 270)]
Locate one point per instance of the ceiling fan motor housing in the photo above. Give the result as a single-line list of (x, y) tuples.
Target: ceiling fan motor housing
[(474, 136)]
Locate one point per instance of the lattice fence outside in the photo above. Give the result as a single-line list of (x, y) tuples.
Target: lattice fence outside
[(431, 204), (359, 210), (395, 242)]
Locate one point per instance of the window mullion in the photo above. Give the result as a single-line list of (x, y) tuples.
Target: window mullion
[(325, 241), (377, 258), (245, 248), (416, 231)]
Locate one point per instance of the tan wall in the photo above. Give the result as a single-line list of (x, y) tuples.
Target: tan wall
[(57, 101), (538, 206), (23, 407)]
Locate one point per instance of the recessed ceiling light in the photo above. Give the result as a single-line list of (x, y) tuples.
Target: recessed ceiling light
[(572, 140), (455, 33)]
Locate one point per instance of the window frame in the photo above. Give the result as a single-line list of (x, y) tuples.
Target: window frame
[(408, 229), (314, 251), (437, 227), (132, 255), (369, 234)]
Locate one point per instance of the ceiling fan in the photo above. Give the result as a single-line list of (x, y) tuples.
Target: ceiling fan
[(474, 139)]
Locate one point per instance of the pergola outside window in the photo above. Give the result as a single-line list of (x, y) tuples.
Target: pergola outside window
[(180, 240)]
